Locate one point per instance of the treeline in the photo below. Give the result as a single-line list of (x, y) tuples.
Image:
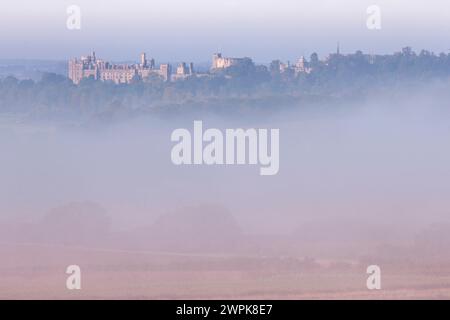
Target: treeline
[(338, 75)]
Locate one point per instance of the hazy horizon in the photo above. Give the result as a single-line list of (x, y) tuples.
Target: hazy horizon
[(175, 30)]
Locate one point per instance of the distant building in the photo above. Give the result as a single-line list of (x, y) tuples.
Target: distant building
[(278, 67), (91, 67), (220, 62), (285, 67), (165, 71), (184, 71), (301, 66)]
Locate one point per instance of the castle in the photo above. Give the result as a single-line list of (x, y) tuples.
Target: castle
[(91, 67)]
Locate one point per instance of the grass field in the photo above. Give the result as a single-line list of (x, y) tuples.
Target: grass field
[(38, 272)]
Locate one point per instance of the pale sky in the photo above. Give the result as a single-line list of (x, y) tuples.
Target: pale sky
[(174, 30)]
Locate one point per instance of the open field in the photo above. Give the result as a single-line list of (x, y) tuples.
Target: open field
[(38, 272)]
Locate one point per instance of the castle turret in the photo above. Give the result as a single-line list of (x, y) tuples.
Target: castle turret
[(143, 60)]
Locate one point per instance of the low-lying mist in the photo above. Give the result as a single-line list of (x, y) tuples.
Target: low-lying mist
[(355, 175)]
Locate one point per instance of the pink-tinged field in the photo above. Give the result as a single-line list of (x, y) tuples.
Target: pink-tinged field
[(38, 272)]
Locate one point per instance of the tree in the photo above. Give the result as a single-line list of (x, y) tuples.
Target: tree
[(314, 60)]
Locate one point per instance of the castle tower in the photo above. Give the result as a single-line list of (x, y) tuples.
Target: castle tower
[(165, 71), (216, 58), (143, 60)]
